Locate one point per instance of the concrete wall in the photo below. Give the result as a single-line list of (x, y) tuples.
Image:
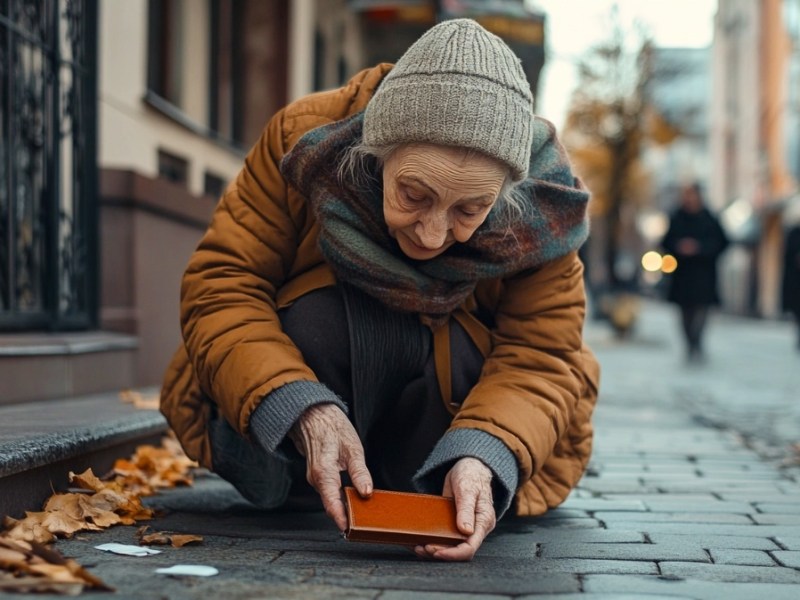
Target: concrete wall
[(149, 229)]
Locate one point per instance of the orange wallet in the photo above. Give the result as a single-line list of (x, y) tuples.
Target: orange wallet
[(401, 518)]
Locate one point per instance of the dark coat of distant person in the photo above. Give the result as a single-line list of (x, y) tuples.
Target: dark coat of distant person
[(694, 282), (791, 272)]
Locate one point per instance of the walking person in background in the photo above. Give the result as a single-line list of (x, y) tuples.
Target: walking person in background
[(791, 276), (696, 239), (391, 289)]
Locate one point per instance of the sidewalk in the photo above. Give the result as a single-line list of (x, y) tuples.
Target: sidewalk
[(676, 503)]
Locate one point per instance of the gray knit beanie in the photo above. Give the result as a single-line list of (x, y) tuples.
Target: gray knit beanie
[(457, 85)]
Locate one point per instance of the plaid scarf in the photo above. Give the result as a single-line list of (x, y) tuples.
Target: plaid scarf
[(355, 241)]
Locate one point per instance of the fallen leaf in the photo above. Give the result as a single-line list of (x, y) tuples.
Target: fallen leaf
[(26, 563), (31, 567), (181, 540), (139, 400), (87, 480), (26, 530), (163, 538)]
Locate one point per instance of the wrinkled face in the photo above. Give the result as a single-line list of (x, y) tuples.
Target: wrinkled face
[(435, 196)]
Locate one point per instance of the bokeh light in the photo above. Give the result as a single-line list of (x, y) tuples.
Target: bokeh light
[(668, 263), (651, 261)]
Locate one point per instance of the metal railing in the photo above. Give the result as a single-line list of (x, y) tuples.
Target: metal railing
[(48, 165)]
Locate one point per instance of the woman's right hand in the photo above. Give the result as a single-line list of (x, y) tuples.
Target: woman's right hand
[(330, 444)]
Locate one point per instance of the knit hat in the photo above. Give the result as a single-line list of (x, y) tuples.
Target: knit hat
[(457, 85)]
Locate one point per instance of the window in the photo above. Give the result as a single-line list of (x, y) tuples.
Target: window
[(173, 168), (213, 185), (219, 66)]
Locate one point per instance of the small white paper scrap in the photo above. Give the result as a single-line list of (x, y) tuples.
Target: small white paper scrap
[(127, 549), (197, 570)]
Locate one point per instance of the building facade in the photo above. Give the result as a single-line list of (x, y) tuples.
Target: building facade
[(121, 124), (754, 149)]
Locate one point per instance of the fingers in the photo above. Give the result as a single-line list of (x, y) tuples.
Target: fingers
[(329, 485), (357, 469), (469, 483), (485, 522), (331, 445), (465, 509)]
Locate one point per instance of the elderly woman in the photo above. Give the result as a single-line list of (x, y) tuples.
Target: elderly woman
[(390, 288)]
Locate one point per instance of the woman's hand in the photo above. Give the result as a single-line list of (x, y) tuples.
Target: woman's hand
[(470, 483), (325, 436)]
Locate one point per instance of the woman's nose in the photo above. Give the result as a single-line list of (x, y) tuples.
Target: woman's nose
[(432, 231)]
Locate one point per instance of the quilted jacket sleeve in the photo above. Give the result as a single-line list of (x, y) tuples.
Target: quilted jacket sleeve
[(533, 378), (228, 309)]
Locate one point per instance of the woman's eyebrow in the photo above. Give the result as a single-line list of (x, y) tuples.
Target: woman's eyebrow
[(416, 180), (487, 197)]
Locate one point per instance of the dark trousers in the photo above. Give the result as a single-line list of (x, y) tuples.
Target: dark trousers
[(380, 363), (693, 323)]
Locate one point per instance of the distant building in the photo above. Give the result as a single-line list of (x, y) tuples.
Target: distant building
[(755, 120), (680, 93)]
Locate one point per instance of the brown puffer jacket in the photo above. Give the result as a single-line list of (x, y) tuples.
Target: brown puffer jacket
[(539, 384)]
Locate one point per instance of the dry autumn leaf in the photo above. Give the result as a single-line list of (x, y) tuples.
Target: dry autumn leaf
[(139, 400), (27, 565), (163, 538), (31, 567)]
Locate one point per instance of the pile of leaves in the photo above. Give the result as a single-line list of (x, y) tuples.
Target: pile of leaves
[(27, 563)]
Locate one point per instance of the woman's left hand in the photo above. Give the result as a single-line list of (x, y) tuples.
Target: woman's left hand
[(469, 482)]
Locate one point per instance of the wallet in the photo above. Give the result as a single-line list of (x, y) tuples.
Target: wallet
[(401, 518)]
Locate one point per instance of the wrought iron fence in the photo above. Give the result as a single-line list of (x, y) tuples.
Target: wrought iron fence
[(48, 170)]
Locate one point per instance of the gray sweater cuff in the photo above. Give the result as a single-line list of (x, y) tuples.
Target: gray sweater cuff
[(280, 409), (460, 443)]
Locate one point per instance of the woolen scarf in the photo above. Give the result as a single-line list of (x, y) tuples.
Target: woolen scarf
[(355, 240)]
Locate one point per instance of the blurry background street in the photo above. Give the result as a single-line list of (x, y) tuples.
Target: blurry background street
[(750, 382)]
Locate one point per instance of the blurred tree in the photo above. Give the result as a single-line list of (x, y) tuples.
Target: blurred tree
[(607, 125)]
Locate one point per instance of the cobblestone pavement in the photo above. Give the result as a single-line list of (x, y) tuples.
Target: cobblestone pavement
[(690, 494)]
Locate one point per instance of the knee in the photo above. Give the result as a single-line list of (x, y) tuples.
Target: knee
[(317, 324)]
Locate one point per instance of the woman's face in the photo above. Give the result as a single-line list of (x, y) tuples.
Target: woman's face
[(435, 196)]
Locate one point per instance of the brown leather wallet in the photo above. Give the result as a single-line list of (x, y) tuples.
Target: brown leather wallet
[(401, 518)]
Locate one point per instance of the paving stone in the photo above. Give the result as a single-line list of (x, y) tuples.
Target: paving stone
[(788, 558), (720, 542), (685, 497), (619, 486), (589, 566), (672, 517), (777, 519), (625, 552), (415, 595), (775, 495), (566, 536), (729, 573), (789, 487), (563, 512), (788, 542), (673, 504), (595, 504), (791, 507), (441, 581), (754, 558), (600, 596), (709, 529), (697, 590), (587, 523), (657, 476), (699, 485)]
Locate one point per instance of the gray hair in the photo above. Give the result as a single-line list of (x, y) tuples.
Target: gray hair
[(362, 164)]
